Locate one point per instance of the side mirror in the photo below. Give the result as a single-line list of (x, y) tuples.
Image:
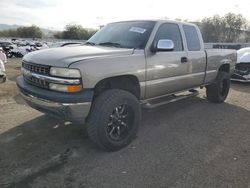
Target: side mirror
[(163, 45)]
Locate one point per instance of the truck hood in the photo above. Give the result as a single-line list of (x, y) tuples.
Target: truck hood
[(64, 56), (243, 58)]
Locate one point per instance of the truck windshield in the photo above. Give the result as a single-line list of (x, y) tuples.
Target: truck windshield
[(123, 34)]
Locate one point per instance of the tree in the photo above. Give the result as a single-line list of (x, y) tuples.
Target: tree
[(58, 35), (234, 26), (29, 32), (75, 32), (247, 34), (213, 29), (223, 29), (23, 32)]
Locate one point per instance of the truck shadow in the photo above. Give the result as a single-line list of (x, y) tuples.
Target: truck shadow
[(45, 145)]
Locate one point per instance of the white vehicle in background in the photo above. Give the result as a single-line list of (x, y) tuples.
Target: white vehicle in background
[(44, 46), (21, 48), (3, 60), (16, 51), (242, 68)]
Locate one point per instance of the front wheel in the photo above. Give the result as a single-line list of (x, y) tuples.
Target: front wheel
[(114, 119), (218, 91)]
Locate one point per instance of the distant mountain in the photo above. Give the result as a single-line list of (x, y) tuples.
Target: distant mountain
[(7, 26)]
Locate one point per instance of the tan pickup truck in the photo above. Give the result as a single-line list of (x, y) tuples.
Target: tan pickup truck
[(125, 66)]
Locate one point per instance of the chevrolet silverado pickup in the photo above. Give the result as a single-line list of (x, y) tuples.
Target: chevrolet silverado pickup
[(123, 67)]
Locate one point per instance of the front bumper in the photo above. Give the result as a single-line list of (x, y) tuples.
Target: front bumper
[(241, 73), (72, 107), (241, 78)]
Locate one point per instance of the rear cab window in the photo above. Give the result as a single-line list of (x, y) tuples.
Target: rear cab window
[(192, 38)]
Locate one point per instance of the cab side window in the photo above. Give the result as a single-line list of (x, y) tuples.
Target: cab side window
[(193, 41), (170, 31)]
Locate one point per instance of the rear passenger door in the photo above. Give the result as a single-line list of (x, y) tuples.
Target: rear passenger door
[(196, 54), (166, 73)]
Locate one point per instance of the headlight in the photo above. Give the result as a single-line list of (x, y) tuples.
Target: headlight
[(65, 88), (65, 72)]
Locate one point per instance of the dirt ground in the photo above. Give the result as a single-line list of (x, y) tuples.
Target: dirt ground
[(190, 143)]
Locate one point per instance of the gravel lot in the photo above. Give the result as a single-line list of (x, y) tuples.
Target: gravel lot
[(190, 143)]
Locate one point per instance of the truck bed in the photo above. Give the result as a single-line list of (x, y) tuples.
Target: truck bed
[(216, 58)]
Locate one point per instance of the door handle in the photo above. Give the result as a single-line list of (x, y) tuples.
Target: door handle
[(184, 60)]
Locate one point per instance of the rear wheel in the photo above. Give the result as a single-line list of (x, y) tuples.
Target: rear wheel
[(218, 91), (114, 119)]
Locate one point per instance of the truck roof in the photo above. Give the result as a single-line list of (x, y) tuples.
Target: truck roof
[(157, 20)]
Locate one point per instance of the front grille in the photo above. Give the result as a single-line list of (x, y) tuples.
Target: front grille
[(39, 69), (242, 68), (37, 82)]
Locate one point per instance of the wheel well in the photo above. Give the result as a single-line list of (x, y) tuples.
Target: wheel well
[(225, 68), (128, 83)]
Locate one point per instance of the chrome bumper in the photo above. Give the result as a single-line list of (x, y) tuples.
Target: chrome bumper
[(69, 111)]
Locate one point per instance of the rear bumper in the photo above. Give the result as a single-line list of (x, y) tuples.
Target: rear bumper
[(72, 107)]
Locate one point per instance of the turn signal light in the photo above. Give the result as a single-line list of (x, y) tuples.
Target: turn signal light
[(65, 88), (74, 88)]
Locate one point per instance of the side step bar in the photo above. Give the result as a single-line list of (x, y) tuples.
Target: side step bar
[(153, 103)]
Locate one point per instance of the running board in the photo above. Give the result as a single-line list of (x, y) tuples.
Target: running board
[(154, 103)]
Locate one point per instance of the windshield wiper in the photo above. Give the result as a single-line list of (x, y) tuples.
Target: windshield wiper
[(110, 44), (90, 43)]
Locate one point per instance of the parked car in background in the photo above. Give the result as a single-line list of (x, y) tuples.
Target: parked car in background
[(3, 60), (5, 45), (242, 68), (17, 51), (41, 46)]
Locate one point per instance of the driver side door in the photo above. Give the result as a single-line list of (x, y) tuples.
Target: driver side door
[(166, 70)]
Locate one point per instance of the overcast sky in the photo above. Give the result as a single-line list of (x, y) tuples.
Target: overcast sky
[(55, 14)]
